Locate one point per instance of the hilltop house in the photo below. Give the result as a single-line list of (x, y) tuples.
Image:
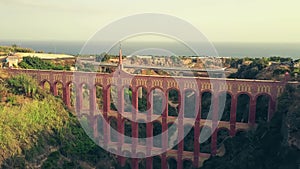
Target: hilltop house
[(297, 63), (13, 60)]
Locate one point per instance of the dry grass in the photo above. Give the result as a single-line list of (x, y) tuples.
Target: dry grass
[(3, 74), (23, 122), (46, 55)]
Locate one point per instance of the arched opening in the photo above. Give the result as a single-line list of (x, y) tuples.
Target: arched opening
[(127, 99), (158, 101), (224, 106), (172, 136), (142, 132), (126, 153), (142, 160), (187, 164), (222, 135), (262, 108), (71, 93), (85, 97), (172, 163), (189, 138), (157, 162), (206, 105), (157, 132), (100, 123), (99, 97), (127, 131), (113, 129), (113, 98), (189, 104), (85, 124), (205, 146), (242, 111), (127, 161), (58, 89), (46, 85), (142, 99), (127, 164), (173, 102)]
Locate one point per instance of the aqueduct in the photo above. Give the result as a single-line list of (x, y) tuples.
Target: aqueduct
[(93, 93)]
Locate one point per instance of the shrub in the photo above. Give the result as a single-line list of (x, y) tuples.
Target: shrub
[(3, 90), (11, 100), (37, 63), (23, 85)]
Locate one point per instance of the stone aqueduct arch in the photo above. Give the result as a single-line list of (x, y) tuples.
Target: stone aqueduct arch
[(234, 87)]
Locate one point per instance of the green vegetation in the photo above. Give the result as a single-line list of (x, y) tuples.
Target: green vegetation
[(37, 63), (104, 57), (249, 71), (272, 68), (22, 85), (86, 67), (33, 134), (279, 59)]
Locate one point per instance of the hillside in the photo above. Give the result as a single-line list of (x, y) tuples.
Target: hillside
[(33, 134), (272, 68)]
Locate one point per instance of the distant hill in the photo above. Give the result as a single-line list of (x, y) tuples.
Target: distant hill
[(37, 131), (22, 52), (12, 49)]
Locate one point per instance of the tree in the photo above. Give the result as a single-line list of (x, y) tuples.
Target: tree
[(250, 71), (37, 63)]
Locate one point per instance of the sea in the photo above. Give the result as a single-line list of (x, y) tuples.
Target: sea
[(224, 49)]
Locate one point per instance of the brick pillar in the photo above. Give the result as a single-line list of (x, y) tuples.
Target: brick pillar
[(38, 77), (106, 109), (274, 95), (134, 125), (121, 159), (149, 132), (54, 89), (78, 99), (135, 163), (164, 138), (93, 119), (64, 89), (233, 115), (197, 131), (215, 117), (51, 82), (92, 98), (180, 132), (67, 95), (64, 96)]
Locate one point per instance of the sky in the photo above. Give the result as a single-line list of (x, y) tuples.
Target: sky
[(219, 20)]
